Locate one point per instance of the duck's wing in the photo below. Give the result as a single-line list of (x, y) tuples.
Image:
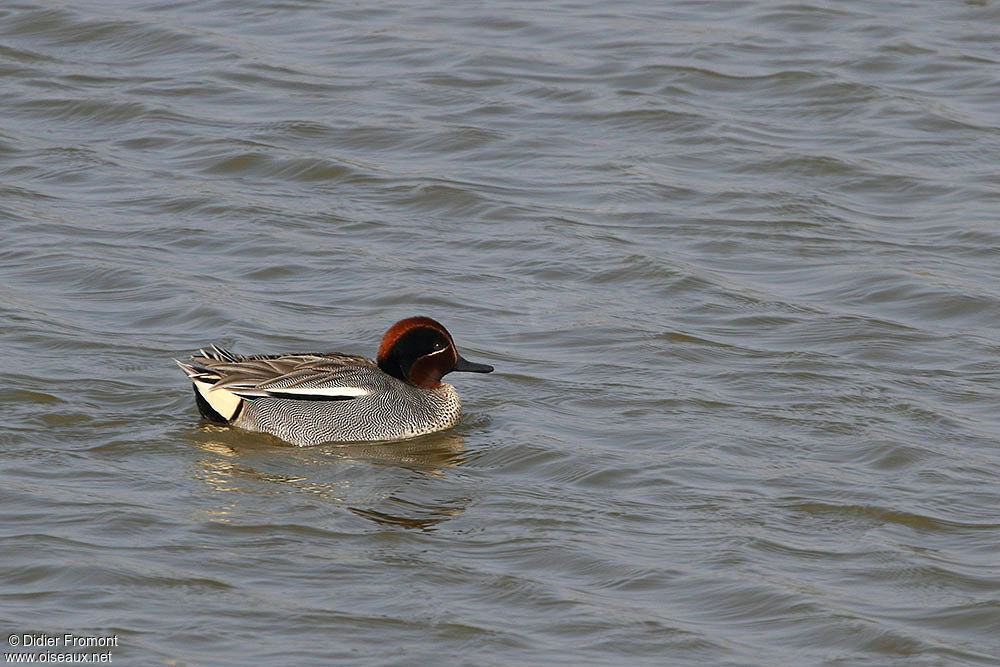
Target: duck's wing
[(308, 376)]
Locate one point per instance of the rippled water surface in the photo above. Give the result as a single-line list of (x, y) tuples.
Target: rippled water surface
[(737, 265)]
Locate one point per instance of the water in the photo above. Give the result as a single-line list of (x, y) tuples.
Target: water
[(736, 264)]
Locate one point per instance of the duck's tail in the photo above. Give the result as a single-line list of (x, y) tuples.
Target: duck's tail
[(217, 405)]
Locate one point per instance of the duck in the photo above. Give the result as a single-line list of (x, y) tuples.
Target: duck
[(312, 398)]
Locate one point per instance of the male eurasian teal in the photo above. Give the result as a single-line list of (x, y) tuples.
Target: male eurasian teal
[(307, 399)]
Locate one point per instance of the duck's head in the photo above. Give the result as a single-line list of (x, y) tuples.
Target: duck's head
[(420, 351)]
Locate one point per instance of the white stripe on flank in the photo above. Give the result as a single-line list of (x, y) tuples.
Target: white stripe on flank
[(222, 401), (319, 391)]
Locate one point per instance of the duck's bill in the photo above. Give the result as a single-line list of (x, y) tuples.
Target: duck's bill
[(467, 366)]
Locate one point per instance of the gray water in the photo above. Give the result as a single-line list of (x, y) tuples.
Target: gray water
[(737, 265)]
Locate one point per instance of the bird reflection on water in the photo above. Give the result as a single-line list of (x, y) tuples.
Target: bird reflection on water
[(371, 480)]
